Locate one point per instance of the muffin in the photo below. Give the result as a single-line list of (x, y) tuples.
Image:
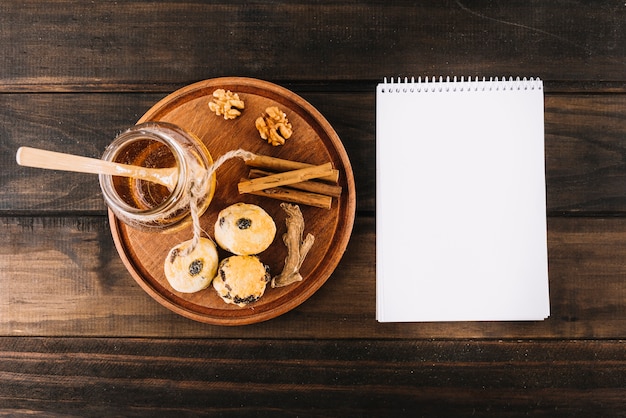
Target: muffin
[(244, 229), (241, 279), (189, 273)]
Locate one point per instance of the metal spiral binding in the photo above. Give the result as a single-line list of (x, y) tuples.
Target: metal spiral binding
[(455, 84)]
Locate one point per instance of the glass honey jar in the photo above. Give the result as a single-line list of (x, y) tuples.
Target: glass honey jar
[(146, 205)]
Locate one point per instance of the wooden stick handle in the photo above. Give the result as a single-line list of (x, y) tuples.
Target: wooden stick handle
[(39, 158)]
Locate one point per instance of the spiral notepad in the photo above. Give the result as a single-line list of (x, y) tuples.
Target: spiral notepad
[(461, 206)]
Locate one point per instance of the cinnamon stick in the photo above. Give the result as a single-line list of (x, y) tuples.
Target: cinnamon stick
[(296, 196), (285, 178), (279, 164), (307, 186)]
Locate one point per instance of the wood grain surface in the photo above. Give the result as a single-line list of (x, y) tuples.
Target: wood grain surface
[(79, 337), (312, 378)]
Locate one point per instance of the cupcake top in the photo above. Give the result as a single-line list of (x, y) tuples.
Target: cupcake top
[(241, 279), (244, 229), (189, 273)]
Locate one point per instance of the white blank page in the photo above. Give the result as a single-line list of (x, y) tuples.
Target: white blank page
[(461, 208)]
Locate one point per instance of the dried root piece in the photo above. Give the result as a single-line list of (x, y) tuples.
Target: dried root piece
[(226, 103), (273, 126), (297, 248)]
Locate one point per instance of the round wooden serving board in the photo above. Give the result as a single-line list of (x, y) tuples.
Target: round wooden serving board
[(313, 141)]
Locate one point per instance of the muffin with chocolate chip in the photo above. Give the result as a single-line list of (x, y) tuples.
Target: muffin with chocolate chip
[(190, 271), (241, 279), (244, 229)]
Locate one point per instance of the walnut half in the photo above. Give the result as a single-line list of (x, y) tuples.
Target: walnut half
[(274, 126), (226, 103)]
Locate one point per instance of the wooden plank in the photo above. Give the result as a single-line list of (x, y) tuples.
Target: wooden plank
[(121, 377), (76, 124), (585, 168), (76, 46), (85, 124), (584, 135), (62, 276)]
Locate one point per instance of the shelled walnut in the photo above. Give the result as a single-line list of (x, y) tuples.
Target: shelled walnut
[(226, 103), (274, 126)]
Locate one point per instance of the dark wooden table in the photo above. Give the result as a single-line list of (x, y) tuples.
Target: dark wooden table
[(80, 338)]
